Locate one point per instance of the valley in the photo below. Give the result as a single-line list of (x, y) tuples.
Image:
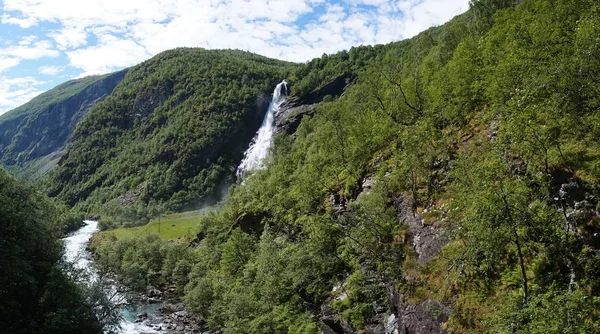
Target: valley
[(445, 183)]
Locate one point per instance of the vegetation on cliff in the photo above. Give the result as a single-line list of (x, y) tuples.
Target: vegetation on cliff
[(482, 134), (36, 295), (169, 133), (33, 136)]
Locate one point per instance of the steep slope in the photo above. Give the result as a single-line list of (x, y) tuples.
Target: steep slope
[(169, 133), (33, 135), (452, 188), (37, 297)]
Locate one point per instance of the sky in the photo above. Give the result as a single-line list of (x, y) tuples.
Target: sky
[(46, 42)]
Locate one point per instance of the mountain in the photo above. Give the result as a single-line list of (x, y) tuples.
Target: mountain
[(445, 183), (451, 188), (34, 135), (169, 133)]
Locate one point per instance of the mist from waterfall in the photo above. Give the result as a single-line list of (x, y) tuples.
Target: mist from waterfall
[(259, 148)]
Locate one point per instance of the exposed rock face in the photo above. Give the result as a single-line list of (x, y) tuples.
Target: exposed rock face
[(132, 196), (331, 323), (34, 135), (398, 316), (289, 117), (426, 317), (291, 113), (428, 240), (335, 87), (581, 209)]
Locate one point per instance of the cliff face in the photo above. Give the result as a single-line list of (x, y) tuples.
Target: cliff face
[(43, 127)]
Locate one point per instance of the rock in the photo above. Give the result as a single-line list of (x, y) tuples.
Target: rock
[(153, 292), (391, 325), (335, 87), (426, 317), (142, 315), (290, 115), (428, 240), (330, 323), (182, 314), (170, 308), (367, 185), (492, 131), (153, 300), (131, 196)]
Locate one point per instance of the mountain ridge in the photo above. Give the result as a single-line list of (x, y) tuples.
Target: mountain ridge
[(34, 134)]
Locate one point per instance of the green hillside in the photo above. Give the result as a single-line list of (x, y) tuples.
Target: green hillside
[(33, 136), (452, 188), (169, 134), (37, 296)]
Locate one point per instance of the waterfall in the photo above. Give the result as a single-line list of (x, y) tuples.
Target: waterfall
[(259, 148)]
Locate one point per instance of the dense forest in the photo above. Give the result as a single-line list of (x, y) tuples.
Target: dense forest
[(451, 186), (457, 177), (168, 135), (37, 294)]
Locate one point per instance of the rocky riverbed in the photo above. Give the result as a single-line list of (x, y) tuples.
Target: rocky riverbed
[(155, 311)]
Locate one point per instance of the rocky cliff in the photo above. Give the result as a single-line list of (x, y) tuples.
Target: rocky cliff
[(33, 135)]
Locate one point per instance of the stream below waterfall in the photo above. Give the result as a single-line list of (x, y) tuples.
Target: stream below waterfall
[(75, 252)]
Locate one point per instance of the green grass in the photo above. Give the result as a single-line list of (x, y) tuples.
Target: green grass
[(169, 227)]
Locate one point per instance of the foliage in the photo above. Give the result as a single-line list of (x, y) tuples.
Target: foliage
[(486, 128), (37, 297), (32, 135), (168, 134)]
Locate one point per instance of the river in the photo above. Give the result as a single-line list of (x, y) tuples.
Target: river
[(76, 253)]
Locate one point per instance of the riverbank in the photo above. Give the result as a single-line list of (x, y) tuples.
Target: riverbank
[(154, 311)]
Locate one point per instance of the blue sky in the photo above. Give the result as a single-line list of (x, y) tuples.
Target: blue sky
[(46, 42)]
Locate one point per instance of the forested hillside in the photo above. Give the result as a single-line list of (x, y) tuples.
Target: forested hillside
[(33, 136), (452, 187), (36, 295), (169, 134)]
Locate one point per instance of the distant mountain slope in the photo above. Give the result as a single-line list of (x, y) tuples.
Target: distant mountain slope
[(32, 135), (170, 131)]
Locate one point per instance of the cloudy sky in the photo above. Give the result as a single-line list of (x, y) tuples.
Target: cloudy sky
[(46, 42)]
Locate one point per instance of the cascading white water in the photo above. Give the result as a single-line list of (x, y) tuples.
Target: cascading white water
[(259, 149), (76, 253)]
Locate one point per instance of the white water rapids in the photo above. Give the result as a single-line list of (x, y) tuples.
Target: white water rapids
[(76, 253), (259, 148)]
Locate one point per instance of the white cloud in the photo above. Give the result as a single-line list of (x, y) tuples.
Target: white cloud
[(147, 27), (27, 40), (8, 62), (69, 37), (110, 54), (30, 50), (99, 36), (50, 70), (17, 91), (23, 23)]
